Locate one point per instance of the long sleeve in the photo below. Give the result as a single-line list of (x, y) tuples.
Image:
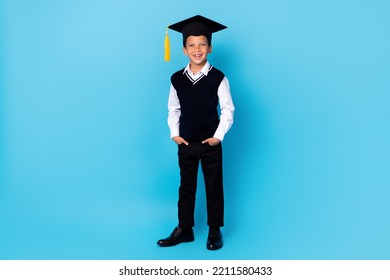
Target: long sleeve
[(173, 112), (226, 109)]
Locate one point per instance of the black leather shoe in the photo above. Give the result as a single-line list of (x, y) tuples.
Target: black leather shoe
[(214, 241), (177, 236)]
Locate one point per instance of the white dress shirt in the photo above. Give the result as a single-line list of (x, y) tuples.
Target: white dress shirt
[(226, 105)]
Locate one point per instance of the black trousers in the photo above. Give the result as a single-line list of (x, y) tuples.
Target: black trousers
[(210, 158)]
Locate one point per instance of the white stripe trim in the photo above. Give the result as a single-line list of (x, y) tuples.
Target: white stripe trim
[(199, 78)]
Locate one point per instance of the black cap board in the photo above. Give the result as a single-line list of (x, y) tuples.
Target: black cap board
[(197, 26)]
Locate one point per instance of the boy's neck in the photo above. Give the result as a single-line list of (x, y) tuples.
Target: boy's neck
[(196, 68)]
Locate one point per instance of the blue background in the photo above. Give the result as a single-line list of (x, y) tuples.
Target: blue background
[(87, 167)]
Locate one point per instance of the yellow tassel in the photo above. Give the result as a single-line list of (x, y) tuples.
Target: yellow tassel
[(167, 49)]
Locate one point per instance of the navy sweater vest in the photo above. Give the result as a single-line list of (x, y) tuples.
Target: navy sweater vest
[(198, 103)]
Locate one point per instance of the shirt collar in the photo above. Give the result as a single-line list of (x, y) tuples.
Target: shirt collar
[(205, 70)]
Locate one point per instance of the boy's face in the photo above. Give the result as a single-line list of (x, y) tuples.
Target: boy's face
[(197, 48)]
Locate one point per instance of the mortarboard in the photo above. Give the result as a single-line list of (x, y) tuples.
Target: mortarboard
[(193, 26)]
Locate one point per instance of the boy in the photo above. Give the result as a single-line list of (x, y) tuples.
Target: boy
[(198, 131)]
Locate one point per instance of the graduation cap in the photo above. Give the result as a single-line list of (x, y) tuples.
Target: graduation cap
[(193, 26)]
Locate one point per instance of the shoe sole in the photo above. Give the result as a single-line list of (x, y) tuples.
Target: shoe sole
[(185, 240), (213, 248)]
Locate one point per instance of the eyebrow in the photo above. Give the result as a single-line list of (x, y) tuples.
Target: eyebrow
[(201, 42)]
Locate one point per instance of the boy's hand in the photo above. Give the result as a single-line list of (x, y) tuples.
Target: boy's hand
[(179, 140), (211, 141)]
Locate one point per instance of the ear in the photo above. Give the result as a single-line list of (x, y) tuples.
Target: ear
[(185, 50), (210, 49)]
